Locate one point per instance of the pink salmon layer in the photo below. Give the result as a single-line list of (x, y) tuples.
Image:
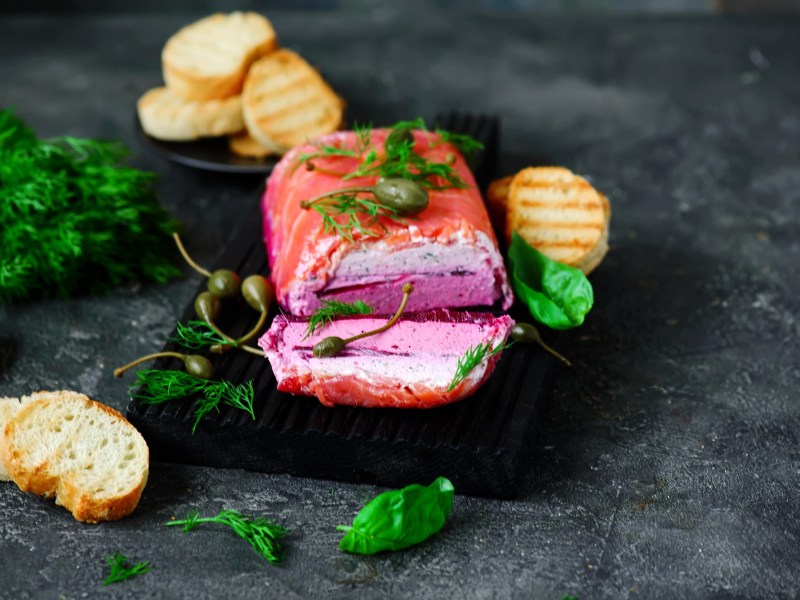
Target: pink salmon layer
[(411, 365), (449, 251)]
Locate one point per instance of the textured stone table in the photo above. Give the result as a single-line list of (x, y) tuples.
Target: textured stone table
[(669, 462)]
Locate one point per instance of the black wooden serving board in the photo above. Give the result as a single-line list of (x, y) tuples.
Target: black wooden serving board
[(478, 443)]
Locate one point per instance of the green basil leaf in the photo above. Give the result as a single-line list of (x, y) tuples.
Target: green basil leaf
[(399, 519), (557, 295)]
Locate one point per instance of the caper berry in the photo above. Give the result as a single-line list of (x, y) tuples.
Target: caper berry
[(403, 195), (258, 292), (198, 366), (330, 346), (224, 283), (207, 306), (525, 333)]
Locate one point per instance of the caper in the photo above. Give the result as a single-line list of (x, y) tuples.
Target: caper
[(198, 366), (525, 333), (329, 346), (403, 195), (207, 306), (258, 292), (224, 283)]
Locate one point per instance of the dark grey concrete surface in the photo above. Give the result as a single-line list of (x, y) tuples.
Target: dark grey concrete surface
[(669, 463)]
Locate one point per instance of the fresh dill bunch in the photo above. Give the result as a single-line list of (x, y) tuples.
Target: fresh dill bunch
[(120, 571), (334, 309), (156, 386), (350, 206), (261, 534), (196, 335), (474, 356), (74, 219)]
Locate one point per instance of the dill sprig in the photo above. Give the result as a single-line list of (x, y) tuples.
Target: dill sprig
[(156, 386), (261, 534), (334, 309), (120, 571), (349, 206), (474, 356), (196, 335), (74, 219), (398, 158)]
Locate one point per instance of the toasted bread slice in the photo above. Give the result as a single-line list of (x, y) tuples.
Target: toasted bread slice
[(287, 102), (8, 408), (82, 452), (167, 116), (209, 59), (560, 214), (244, 144)]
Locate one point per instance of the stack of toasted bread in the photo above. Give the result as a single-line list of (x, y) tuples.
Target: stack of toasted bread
[(225, 75), (82, 452), (556, 211)]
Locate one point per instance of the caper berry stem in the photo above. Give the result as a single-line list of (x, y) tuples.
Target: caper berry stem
[(332, 345), (407, 289), (188, 258), (554, 352), (118, 372), (306, 204), (254, 331)]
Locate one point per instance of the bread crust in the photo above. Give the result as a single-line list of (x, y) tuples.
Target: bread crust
[(189, 73), (166, 116), (50, 477), (244, 144)]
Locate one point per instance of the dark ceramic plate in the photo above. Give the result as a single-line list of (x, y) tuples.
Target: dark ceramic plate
[(209, 154)]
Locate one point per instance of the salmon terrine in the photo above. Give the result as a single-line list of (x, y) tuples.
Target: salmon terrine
[(411, 365), (448, 251)]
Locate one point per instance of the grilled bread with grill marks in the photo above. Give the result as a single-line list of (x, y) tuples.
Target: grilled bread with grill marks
[(168, 116), (560, 214), (209, 59), (497, 199), (287, 102)]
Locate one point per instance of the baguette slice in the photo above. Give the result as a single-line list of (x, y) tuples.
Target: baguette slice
[(244, 144), (209, 59), (8, 408), (82, 452), (286, 102), (560, 214), (497, 199), (167, 116)]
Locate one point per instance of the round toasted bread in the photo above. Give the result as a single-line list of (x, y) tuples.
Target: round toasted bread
[(286, 102), (557, 212), (167, 116), (209, 59), (244, 144)]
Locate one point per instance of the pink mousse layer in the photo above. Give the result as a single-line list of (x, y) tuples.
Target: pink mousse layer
[(410, 365)]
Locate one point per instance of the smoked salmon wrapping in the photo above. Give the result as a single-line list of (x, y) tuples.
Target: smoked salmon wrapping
[(448, 251)]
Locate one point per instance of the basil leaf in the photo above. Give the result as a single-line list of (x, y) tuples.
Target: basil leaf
[(557, 295), (399, 519)]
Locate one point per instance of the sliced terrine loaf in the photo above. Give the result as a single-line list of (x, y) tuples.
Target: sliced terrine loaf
[(411, 365), (448, 251)]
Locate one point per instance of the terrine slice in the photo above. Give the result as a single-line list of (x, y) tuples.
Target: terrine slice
[(411, 365)]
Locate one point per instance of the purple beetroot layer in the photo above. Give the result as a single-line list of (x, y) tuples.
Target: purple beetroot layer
[(411, 365)]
